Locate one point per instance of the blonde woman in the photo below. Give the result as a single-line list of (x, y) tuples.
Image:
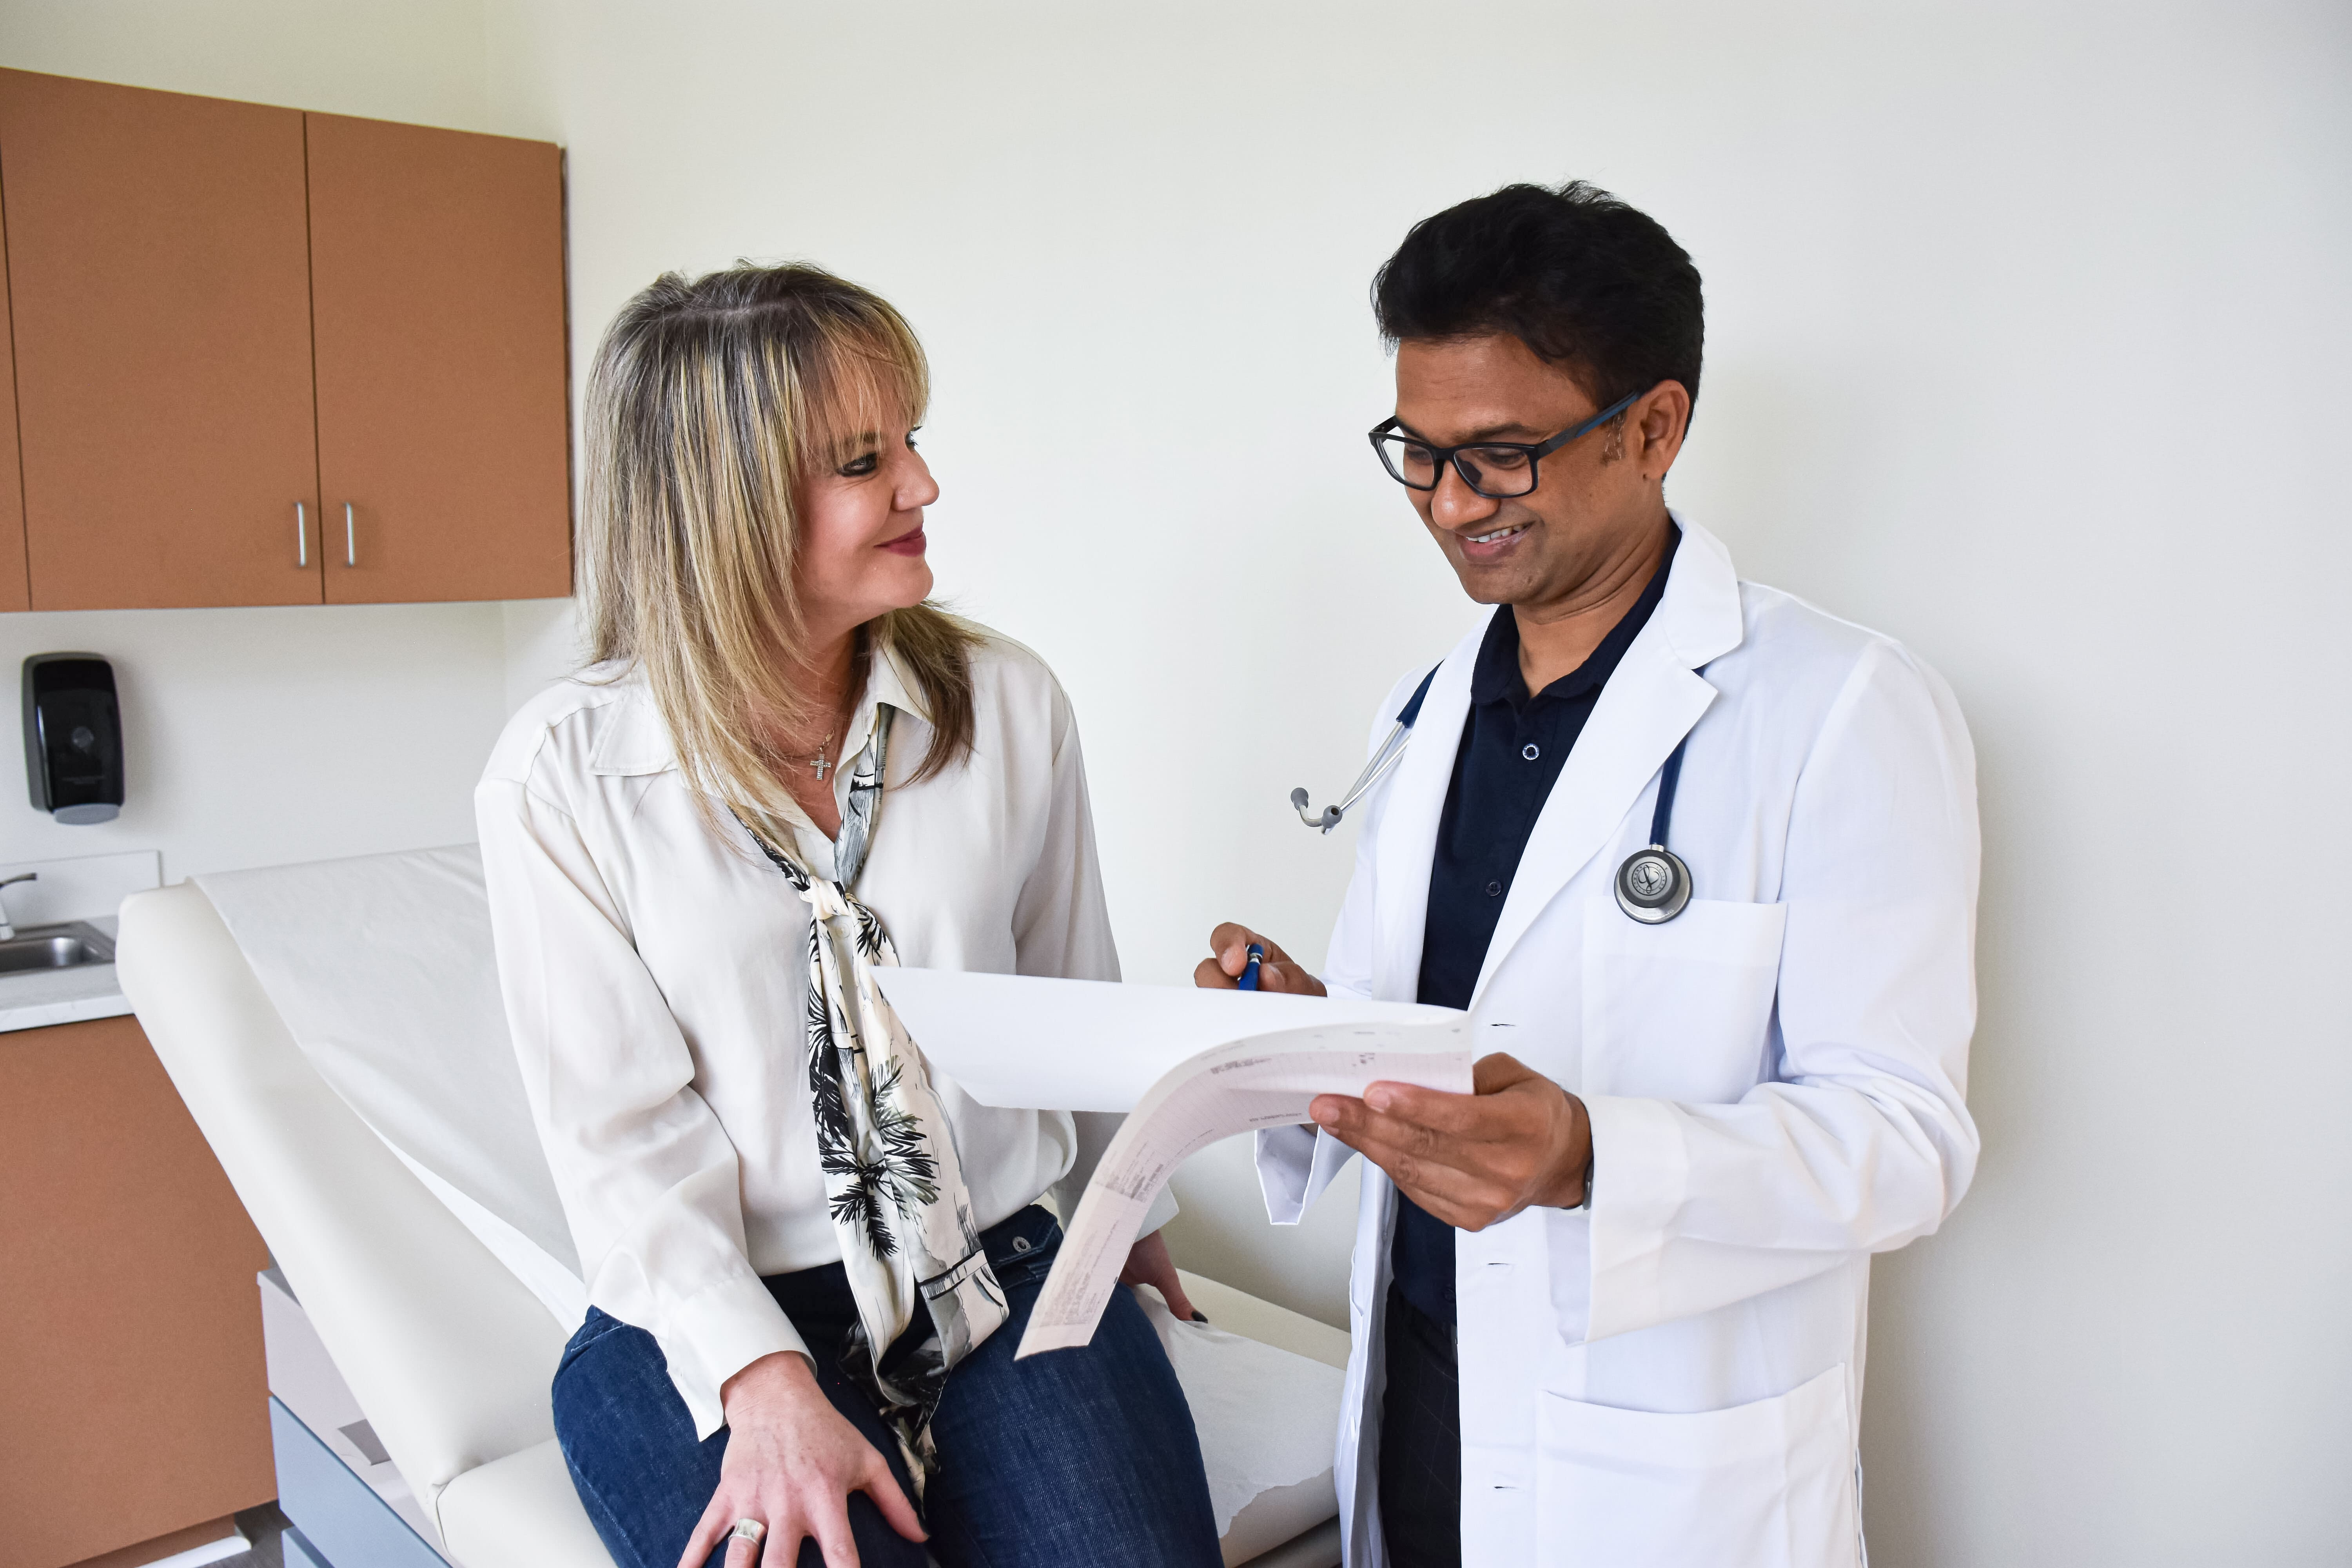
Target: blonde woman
[(809, 1260)]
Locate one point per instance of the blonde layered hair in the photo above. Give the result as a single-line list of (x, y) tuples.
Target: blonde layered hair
[(710, 401)]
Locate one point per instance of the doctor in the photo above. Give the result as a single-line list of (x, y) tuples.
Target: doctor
[(1609, 1308)]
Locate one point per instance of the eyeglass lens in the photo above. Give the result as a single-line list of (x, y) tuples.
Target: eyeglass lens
[(1496, 472)]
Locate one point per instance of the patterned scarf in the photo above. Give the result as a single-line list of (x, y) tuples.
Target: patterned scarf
[(900, 1208)]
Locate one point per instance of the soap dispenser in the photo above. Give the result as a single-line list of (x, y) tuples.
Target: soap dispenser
[(73, 737)]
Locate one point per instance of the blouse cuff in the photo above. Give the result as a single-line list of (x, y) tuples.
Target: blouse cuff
[(716, 1333)]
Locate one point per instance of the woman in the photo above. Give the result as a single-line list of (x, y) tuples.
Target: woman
[(784, 768)]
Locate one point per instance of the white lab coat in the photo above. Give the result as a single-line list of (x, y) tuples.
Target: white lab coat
[(1776, 1079)]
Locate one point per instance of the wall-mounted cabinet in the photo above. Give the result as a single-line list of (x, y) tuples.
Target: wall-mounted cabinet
[(15, 594), (266, 357)]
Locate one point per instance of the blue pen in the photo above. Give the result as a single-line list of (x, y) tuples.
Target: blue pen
[(1248, 981)]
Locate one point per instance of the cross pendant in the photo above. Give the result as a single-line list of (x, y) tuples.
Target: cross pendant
[(817, 764)]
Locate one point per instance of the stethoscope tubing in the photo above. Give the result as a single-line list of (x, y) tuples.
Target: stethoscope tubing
[(1384, 762), (1653, 884)]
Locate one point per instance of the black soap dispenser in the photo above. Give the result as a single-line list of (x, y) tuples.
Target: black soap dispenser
[(73, 737)]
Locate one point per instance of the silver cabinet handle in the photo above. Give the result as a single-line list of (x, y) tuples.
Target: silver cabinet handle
[(350, 538), (302, 536)]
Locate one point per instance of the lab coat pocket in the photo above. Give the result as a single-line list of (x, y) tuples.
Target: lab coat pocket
[(1680, 1011), (1767, 1485)]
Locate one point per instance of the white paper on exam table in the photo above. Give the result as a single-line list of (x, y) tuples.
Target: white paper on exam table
[(1039, 1044)]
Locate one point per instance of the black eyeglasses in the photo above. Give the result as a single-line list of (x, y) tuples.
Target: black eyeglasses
[(1496, 469)]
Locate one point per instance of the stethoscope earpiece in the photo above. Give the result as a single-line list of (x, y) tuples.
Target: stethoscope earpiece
[(1331, 818)]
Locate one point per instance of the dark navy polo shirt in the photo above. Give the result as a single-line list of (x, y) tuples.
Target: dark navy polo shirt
[(1513, 746)]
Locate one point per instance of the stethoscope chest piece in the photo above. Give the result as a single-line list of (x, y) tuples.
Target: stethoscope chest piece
[(1654, 885)]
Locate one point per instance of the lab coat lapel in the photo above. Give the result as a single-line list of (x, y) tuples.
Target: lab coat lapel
[(1648, 706), (1408, 841)]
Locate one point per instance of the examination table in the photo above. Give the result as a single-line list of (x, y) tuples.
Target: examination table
[(335, 1031)]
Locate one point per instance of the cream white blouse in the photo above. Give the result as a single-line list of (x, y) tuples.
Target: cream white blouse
[(655, 984)]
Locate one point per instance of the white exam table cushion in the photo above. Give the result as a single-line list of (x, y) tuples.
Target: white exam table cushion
[(447, 1352)]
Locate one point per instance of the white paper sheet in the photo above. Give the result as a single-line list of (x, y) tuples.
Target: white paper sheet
[(1267, 1082), (1085, 1044), (1273, 1412), (382, 968)]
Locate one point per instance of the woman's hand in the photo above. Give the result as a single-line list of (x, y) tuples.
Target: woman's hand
[(1147, 1263), (792, 1462), (1229, 955)]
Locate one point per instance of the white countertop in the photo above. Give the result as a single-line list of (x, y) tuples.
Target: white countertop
[(40, 997)]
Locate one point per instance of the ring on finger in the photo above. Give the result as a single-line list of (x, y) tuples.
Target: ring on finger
[(751, 1529)]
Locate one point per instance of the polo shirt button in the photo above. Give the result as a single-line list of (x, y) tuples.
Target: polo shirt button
[(1529, 752), (1494, 889)]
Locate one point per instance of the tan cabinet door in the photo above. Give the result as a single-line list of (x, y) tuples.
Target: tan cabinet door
[(13, 594), (135, 1401), (159, 285), (436, 263)]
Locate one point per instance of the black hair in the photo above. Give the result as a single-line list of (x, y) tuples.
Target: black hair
[(1583, 279)]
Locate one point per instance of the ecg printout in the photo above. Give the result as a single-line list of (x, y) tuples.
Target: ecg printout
[(1188, 1066), (1263, 1082)]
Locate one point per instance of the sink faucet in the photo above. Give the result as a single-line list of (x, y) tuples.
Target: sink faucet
[(8, 932)]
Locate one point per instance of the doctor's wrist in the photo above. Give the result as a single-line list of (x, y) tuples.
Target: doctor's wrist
[(1569, 1185)]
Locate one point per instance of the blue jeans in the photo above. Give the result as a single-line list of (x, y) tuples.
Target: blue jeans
[(1072, 1459)]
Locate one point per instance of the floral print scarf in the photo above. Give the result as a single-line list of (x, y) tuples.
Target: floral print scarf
[(895, 1189)]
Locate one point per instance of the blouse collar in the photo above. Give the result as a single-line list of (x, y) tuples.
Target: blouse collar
[(639, 741)]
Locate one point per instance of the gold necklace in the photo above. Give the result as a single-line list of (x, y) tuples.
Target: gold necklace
[(817, 764)]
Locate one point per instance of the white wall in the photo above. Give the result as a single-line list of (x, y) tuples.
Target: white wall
[(2027, 333), (268, 735), (260, 737)]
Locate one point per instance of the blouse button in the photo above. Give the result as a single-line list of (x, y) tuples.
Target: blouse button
[(1494, 889), (1529, 752)]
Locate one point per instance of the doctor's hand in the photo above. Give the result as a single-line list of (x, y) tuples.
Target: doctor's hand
[(1229, 955), (1518, 1141), (792, 1462)]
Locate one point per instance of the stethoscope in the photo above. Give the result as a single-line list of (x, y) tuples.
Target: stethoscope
[(1652, 885)]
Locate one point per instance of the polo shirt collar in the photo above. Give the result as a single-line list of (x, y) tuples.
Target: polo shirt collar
[(1496, 678)]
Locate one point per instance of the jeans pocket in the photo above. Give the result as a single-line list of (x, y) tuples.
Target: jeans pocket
[(1029, 1254)]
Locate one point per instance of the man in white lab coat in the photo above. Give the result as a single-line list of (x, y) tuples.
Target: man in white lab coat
[(1609, 1308)]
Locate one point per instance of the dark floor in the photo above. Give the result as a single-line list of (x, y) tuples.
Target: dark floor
[(262, 1526)]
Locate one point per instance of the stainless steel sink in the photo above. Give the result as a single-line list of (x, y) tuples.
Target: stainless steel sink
[(67, 946)]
